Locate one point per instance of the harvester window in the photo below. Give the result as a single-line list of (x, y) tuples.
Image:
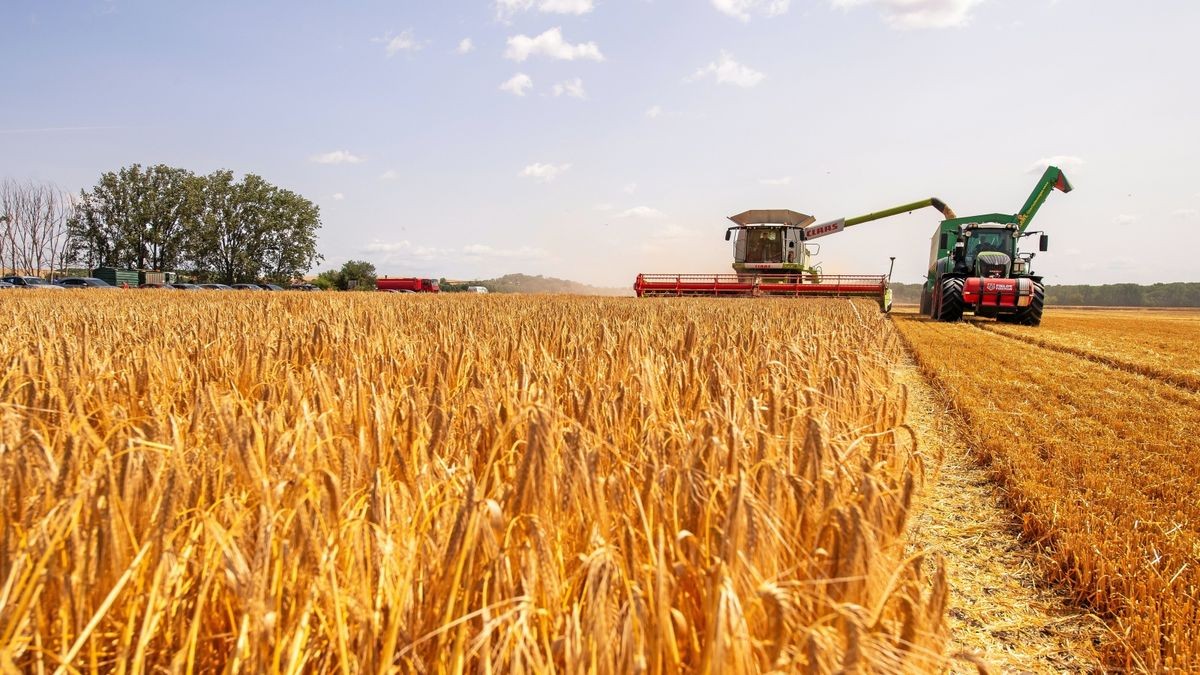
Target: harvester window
[(763, 245)]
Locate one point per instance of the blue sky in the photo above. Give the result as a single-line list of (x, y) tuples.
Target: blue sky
[(594, 139)]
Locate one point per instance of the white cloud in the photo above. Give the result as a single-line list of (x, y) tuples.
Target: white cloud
[(506, 8), (654, 111), (465, 46), (336, 157), (551, 44), (742, 9), (338, 196), (782, 180), (404, 42), (644, 212), (1067, 163), (544, 173), (630, 188), (728, 71), (572, 88), (406, 252), (576, 7), (909, 14), (518, 84), (672, 231), (1185, 214), (662, 237), (481, 251), (390, 174), (1125, 219)]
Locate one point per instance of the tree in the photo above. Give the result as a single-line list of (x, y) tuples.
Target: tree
[(164, 218), (251, 229), (139, 218), (357, 274), (34, 220), (354, 275), (329, 280)]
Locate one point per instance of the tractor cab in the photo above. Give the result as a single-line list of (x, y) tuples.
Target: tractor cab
[(770, 241), (989, 250)]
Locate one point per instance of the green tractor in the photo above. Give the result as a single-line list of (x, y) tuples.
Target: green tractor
[(975, 265)]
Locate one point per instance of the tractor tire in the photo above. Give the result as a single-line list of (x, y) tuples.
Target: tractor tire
[(950, 300), (1030, 315), (925, 301)]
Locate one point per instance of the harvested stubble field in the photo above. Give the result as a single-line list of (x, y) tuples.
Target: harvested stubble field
[(375, 483), (1157, 343), (1100, 460)]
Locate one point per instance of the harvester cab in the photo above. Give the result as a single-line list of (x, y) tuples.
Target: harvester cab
[(975, 263), (771, 241)]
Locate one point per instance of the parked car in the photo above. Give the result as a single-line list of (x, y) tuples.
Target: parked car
[(246, 287), (30, 282), (84, 282), (270, 287), (216, 287), (154, 286), (5, 284), (186, 287), (304, 287)]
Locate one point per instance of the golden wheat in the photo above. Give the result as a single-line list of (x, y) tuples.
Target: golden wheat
[(1101, 463), (1159, 344), (355, 482)]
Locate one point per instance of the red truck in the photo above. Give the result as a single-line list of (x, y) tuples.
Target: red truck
[(407, 285)]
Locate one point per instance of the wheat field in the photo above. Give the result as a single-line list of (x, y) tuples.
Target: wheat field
[(380, 483), (1098, 457)]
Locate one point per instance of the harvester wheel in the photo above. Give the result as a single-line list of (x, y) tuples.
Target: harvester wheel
[(924, 301), (950, 300), (1030, 315)]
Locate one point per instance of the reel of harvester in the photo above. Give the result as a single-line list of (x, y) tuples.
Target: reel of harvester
[(773, 258)]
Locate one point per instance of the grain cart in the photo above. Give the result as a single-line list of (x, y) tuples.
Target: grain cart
[(975, 266), (772, 257)]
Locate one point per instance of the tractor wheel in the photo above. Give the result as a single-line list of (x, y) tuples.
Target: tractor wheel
[(950, 300), (1031, 314), (924, 301)]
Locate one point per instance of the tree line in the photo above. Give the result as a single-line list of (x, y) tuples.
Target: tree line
[(34, 221), (1178, 294), (213, 227)]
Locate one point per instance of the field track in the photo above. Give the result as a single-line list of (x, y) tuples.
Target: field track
[(1001, 613)]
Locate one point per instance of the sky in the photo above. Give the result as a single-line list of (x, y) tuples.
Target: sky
[(596, 139)]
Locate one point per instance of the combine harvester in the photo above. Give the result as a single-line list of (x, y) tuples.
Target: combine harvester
[(772, 257), (975, 265)]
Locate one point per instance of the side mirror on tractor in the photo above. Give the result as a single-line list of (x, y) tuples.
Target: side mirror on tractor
[(1044, 243), (727, 233), (943, 240), (959, 251)]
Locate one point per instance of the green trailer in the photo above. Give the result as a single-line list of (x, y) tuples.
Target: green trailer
[(116, 277)]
